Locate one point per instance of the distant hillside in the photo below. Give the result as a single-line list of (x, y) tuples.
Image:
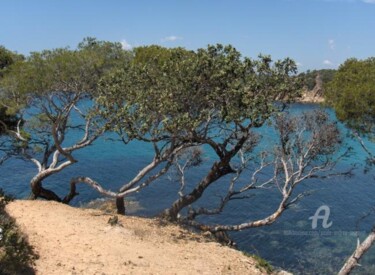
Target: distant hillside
[(314, 82), (326, 75)]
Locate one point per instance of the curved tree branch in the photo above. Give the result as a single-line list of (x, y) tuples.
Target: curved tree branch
[(361, 249)]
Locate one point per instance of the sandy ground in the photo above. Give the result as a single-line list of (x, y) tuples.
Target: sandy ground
[(81, 241)]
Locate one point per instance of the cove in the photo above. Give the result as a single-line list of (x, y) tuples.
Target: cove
[(290, 243)]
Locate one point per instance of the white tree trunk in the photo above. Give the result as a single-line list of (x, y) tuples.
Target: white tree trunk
[(353, 260)]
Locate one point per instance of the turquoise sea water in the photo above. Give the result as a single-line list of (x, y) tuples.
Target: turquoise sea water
[(290, 243)]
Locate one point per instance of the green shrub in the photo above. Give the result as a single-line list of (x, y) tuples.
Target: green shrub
[(16, 255)]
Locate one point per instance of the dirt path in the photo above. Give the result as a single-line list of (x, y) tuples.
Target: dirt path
[(80, 241)]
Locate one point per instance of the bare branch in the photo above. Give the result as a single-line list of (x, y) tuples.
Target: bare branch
[(17, 133), (109, 193), (168, 154), (361, 249), (300, 155), (38, 164)]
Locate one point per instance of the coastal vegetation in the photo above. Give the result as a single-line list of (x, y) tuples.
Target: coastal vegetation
[(7, 58), (352, 95), (309, 77), (16, 255), (45, 91), (183, 104)]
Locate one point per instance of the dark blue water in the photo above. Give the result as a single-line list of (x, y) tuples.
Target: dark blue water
[(290, 243)]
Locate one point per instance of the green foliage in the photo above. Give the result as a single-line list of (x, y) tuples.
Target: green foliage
[(52, 81), (177, 92), (352, 94), (7, 58), (178, 99), (157, 55), (16, 255), (10, 121), (51, 87), (309, 77), (61, 71)]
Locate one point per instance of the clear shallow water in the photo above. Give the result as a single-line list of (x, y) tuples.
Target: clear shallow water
[(290, 243)]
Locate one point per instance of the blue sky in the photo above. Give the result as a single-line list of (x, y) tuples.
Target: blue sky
[(315, 33)]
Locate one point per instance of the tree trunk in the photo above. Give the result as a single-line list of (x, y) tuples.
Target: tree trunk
[(120, 204), (218, 170), (36, 185), (39, 192), (352, 262)]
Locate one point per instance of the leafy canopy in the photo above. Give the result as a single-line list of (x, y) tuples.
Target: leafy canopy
[(7, 58), (61, 71), (352, 94), (309, 77), (175, 92), (50, 83)]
